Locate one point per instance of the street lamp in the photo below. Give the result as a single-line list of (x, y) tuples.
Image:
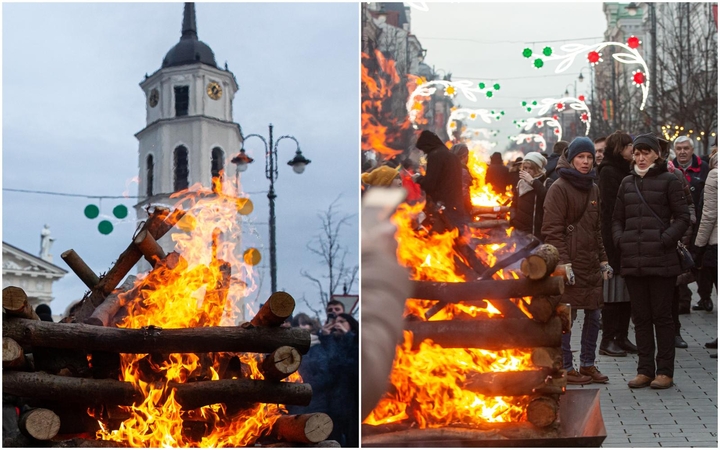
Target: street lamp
[(632, 10), (298, 164)]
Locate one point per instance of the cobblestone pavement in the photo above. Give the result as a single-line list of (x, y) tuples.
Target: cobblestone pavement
[(685, 415)]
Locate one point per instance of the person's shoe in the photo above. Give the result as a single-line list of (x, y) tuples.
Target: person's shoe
[(714, 355), (595, 374), (712, 344), (640, 381), (626, 345), (708, 305), (700, 306), (611, 348), (661, 382), (680, 343), (573, 377), (684, 309)]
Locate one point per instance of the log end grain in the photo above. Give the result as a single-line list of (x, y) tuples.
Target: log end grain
[(13, 356), (281, 363), (542, 411), (41, 424), (282, 304), (14, 298), (303, 428)]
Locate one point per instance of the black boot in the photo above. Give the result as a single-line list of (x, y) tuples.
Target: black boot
[(712, 344), (679, 342), (626, 345), (611, 348), (708, 305)]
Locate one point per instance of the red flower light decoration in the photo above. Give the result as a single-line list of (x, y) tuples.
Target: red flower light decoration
[(555, 117), (584, 117), (560, 106), (581, 98), (556, 131), (539, 123), (638, 78), (633, 42), (527, 140), (594, 57)]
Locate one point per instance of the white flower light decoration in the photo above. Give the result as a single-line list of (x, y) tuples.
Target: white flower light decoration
[(530, 138), (544, 105), (470, 114), (451, 88), (528, 124)]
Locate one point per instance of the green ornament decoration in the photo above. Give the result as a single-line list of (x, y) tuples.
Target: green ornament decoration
[(547, 51), (502, 113), (481, 85), (524, 103), (527, 52), (105, 227), (534, 102), (496, 86), (92, 211), (538, 63), (489, 94), (120, 211)]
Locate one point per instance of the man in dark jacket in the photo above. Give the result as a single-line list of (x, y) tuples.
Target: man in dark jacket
[(558, 149), (498, 175), (695, 171), (443, 178)]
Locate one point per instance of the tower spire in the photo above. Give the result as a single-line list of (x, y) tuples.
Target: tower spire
[(189, 28)]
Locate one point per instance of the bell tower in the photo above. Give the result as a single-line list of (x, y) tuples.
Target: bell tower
[(189, 135)]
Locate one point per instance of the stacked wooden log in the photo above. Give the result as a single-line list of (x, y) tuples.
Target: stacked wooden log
[(532, 319), (68, 373)]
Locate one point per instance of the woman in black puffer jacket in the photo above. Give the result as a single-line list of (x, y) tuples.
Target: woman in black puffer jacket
[(648, 257), (616, 308)]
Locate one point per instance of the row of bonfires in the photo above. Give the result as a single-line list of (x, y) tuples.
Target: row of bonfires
[(159, 361)]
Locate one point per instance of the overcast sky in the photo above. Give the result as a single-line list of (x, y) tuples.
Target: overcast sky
[(484, 42), (72, 104)]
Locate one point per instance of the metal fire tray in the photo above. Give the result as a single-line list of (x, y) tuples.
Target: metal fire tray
[(581, 425)]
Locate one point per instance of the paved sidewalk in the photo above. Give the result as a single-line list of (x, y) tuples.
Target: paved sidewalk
[(685, 415)]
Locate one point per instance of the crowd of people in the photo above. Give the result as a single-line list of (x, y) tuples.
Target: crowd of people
[(623, 211)]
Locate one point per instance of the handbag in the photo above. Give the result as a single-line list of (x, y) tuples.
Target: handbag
[(684, 257)]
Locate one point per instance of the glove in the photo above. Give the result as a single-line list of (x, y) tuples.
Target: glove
[(569, 275), (606, 270)]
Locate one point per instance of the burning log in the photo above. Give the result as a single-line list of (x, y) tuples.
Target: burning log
[(303, 428), (276, 309), (89, 392), (154, 340), (85, 273), (541, 263), (512, 259), (13, 355), (490, 210), (87, 443), (494, 431), (321, 444), (39, 423), (562, 271), (489, 224), (488, 334), (103, 314), (542, 411), (506, 384), (61, 361), (280, 364), (486, 289), (15, 303), (149, 247), (550, 357), (202, 393), (543, 307)]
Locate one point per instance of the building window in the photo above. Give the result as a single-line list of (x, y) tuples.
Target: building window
[(150, 169), (181, 169), (182, 100), (218, 162)]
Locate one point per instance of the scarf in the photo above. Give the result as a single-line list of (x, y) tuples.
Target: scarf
[(584, 182), (524, 187), (643, 172)]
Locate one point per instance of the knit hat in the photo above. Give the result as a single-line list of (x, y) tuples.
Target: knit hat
[(580, 145), (537, 158), (428, 141), (382, 176), (649, 140)]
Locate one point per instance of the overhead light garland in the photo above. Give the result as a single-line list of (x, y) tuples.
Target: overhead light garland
[(465, 114), (528, 138), (559, 105), (529, 124), (671, 132), (593, 54), (425, 89)]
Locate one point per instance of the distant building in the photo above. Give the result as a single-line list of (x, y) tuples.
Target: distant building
[(31, 273)]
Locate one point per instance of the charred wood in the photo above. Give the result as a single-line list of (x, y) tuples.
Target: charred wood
[(201, 393), (80, 268), (103, 314), (507, 384), (542, 411), (486, 289), (542, 307)]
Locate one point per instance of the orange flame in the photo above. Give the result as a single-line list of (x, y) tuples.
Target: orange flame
[(200, 291)]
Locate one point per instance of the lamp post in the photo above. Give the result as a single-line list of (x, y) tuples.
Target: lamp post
[(567, 93), (592, 87), (298, 164), (632, 10)]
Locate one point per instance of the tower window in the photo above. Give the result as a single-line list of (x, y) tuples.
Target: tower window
[(182, 100), (150, 169), (181, 169), (218, 162)]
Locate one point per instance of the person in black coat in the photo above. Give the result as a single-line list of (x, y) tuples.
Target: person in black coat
[(616, 308), (526, 211), (648, 258), (558, 149), (443, 178), (497, 176)]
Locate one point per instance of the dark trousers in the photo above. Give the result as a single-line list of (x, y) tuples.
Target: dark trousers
[(684, 296), (651, 302), (615, 320), (676, 308), (706, 278)]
